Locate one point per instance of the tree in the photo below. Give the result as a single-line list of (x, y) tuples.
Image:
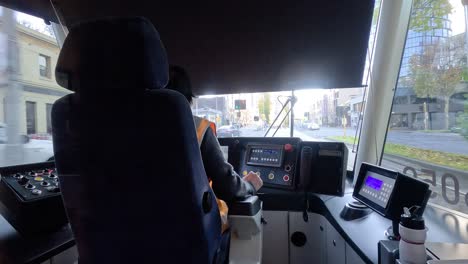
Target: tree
[(421, 78), (428, 14), (447, 79), (435, 74), (264, 105), (462, 119), (286, 121)]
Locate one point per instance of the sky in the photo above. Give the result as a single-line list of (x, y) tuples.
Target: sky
[(457, 17)]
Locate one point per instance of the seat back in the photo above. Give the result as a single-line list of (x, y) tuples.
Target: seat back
[(126, 151)]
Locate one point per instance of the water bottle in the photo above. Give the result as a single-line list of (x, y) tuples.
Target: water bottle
[(413, 235)]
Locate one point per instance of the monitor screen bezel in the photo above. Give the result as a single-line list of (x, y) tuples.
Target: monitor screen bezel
[(365, 168)]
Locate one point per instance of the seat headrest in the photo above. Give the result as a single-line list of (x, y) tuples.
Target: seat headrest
[(112, 54)]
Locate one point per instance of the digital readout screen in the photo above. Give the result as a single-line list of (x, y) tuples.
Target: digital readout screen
[(269, 151), (265, 156), (377, 188), (374, 183)]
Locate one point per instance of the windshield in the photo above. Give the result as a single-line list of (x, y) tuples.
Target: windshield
[(28, 54), (318, 115), (29, 91)]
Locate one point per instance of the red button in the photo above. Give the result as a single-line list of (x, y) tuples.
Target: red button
[(288, 148), (286, 178)]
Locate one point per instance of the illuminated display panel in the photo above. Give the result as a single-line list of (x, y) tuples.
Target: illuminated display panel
[(377, 188)]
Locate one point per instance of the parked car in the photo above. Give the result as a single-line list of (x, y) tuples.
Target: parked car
[(313, 126), (4, 137), (228, 131)]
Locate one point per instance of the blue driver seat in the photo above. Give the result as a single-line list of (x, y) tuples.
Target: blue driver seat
[(126, 151)]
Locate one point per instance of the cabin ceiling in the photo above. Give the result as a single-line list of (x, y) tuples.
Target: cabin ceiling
[(244, 46)]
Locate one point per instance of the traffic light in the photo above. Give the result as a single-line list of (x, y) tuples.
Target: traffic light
[(239, 105)]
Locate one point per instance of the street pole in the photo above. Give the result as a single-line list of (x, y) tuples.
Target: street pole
[(465, 7), (291, 122), (13, 150)]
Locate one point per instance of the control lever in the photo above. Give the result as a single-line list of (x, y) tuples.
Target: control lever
[(305, 215), (305, 173)]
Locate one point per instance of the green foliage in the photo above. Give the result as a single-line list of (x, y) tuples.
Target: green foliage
[(432, 75), (457, 161), (375, 16), (422, 78), (462, 119), (264, 105), (427, 12)]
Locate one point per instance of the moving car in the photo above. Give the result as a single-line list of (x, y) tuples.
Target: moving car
[(228, 131), (313, 126)]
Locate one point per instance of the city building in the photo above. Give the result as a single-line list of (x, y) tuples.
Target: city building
[(408, 108), (212, 108), (417, 40), (37, 57), (356, 110), (345, 109)]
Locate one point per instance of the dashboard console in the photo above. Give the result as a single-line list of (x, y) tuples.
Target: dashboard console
[(387, 192), (31, 198), (273, 159), (290, 163)]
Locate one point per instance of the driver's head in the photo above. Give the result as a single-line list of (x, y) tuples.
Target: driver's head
[(179, 81)]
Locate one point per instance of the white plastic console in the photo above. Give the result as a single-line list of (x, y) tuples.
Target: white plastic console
[(245, 219)]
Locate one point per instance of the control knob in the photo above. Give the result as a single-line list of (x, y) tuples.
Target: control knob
[(288, 148), (23, 181), (53, 189)]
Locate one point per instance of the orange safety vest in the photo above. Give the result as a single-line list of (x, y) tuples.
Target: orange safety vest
[(202, 126)]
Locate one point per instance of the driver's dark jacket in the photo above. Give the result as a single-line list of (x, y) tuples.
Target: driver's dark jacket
[(227, 184)]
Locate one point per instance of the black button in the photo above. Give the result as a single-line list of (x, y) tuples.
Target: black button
[(53, 189), (23, 181), (29, 186), (45, 183)]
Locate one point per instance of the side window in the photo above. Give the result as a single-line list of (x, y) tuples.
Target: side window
[(27, 97), (44, 66), (49, 118), (428, 130), (31, 117)]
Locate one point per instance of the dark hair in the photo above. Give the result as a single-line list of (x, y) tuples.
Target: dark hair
[(179, 81)]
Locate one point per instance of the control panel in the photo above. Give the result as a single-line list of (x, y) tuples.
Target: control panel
[(30, 195), (273, 159), (274, 163), (290, 163)]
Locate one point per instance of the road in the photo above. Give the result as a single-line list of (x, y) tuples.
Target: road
[(446, 142), (452, 194)]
